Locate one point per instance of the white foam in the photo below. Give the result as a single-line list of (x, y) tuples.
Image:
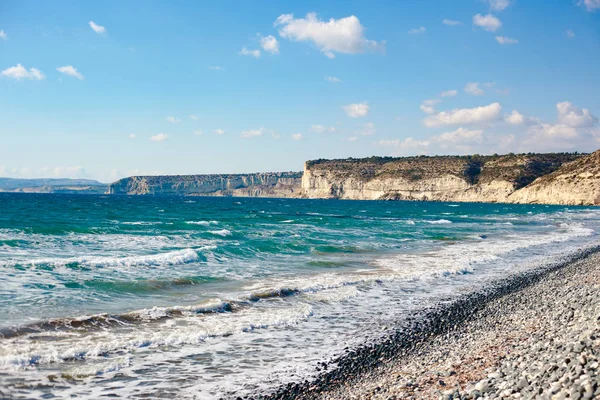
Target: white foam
[(221, 232), (203, 223), (439, 222)]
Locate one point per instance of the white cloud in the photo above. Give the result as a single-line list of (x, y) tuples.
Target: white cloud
[(554, 131), (460, 135), (449, 93), (344, 35), (506, 40), (131, 136), (570, 34), (246, 52), (499, 5), (464, 116), (269, 44), (198, 133), (333, 79), (297, 136), (276, 136), (321, 128), (368, 129), (474, 89), (159, 138), (450, 22), (357, 110), (570, 115), (70, 71), (3, 35), (428, 106), (590, 5), (219, 131), (97, 28), (515, 118), (216, 68), (353, 138), (415, 31), (406, 144), (20, 72), (193, 117), (253, 133), (173, 120), (487, 22)]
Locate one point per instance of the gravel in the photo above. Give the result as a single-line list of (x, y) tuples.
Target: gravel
[(534, 335)]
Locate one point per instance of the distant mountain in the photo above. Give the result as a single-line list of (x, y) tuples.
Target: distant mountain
[(50, 185)]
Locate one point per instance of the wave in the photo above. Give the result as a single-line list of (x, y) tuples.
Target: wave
[(439, 222), (221, 232), (169, 258), (203, 223)]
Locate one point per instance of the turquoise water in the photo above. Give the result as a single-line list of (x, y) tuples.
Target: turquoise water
[(184, 297)]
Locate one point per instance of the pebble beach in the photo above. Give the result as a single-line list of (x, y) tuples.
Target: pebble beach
[(534, 335)]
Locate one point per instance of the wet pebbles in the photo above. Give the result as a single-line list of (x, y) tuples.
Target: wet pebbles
[(534, 335)]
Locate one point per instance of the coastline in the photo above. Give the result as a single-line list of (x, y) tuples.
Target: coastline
[(514, 338)]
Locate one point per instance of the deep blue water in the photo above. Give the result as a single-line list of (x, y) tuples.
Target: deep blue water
[(209, 296)]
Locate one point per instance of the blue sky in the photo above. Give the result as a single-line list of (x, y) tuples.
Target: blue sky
[(109, 89)]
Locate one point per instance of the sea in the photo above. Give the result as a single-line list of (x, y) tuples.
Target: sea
[(208, 298)]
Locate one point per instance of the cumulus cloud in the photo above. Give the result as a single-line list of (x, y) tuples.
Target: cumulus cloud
[(474, 89), (297, 136), (570, 115), (428, 106), (357, 110), (97, 28), (487, 22), (70, 71), (269, 44), (449, 93), (450, 22), (515, 118), (333, 79), (570, 34), (506, 40), (590, 5), (173, 120), (159, 137), (415, 31), (251, 53), (20, 72), (464, 116), (253, 133), (219, 131), (322, 129), (498, 5), (3, 35), (344, 35)]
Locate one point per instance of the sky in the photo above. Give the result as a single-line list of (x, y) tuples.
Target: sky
[(108, 89)]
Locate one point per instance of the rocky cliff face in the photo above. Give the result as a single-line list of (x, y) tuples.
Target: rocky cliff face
[(279, 184), (442, 178), (574, 183)]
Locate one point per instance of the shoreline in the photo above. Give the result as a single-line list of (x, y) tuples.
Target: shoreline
[(433, 352)]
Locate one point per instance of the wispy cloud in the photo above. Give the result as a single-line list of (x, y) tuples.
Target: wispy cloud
[(3, 35), (570, 34), (499, 5), (333, 79), (322, 129), (220, 131), (506, 40), (297, 136), (251, 53), (449, 93), (216, 68), (159, 137), (194, 117), (70, 71), (415, 31), (253, 133), (97, 28), (474, 89), (173, 120), (451, 22)]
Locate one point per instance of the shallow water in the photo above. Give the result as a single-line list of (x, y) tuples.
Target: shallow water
[(209, 297)]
